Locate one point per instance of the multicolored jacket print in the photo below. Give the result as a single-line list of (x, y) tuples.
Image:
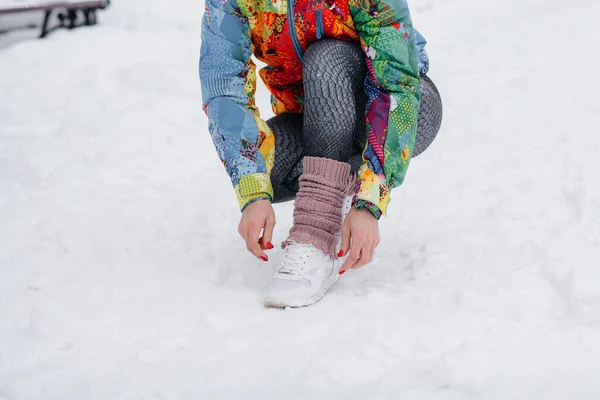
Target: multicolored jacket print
[(233, 30)]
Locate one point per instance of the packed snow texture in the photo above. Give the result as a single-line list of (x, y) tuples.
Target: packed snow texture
[(122, 276)]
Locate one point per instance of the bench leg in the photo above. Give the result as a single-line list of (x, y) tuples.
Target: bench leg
[(90, 16), (69, 19), (72, 15), (45, 24)]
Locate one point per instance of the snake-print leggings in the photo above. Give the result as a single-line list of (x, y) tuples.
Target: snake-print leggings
[(333, 123)]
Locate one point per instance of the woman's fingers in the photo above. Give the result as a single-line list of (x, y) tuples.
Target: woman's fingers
[(362, 230), (258, 217), (361, 254), (361, 260), (263, 244), (267, 236), (354, 255), (251, 237), (345, 240), (366, 256)]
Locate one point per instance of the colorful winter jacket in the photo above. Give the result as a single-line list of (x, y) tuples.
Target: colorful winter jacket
[(234, 30)]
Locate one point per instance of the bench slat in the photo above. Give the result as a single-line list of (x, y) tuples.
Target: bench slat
[(9, 7)]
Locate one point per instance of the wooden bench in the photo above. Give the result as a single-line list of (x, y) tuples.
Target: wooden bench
[(75, 12)]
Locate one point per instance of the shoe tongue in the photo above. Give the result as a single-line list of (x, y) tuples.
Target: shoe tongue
[(302, 245), (304, 249), (292, 242)]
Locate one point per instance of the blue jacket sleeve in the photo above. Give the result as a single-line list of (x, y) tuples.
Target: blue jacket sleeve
[(243, 140)]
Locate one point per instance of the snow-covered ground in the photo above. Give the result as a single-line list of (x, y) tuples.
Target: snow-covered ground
[(122, 276)]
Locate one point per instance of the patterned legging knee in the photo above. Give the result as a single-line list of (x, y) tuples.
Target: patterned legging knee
[(333, 123)]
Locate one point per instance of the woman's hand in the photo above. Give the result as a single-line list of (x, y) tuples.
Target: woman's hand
[(362, 228), (258, 217)]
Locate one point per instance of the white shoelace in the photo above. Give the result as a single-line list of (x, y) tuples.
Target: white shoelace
[(295, 258)]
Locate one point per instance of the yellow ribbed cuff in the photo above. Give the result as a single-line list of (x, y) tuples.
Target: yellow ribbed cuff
[(373, 189), (253, 186)]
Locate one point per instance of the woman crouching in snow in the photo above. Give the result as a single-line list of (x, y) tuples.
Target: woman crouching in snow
[(348, 86)]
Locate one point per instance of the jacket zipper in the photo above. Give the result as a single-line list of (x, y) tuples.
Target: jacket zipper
[(293, 33), (320, 28)]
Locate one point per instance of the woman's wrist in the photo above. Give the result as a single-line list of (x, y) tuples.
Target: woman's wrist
[(265, 197), (360, 204)]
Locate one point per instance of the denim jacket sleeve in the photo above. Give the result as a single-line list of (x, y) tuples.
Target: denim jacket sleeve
[(243, 141)]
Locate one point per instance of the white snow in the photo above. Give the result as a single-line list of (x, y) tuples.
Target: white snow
[(122, 276)]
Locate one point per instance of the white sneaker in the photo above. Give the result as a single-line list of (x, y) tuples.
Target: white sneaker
[(305, 273), (303, 277)]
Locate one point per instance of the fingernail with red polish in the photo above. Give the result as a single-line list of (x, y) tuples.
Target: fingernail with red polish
[(342, 272), (341, 253), (270, 246), (265, 259)]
